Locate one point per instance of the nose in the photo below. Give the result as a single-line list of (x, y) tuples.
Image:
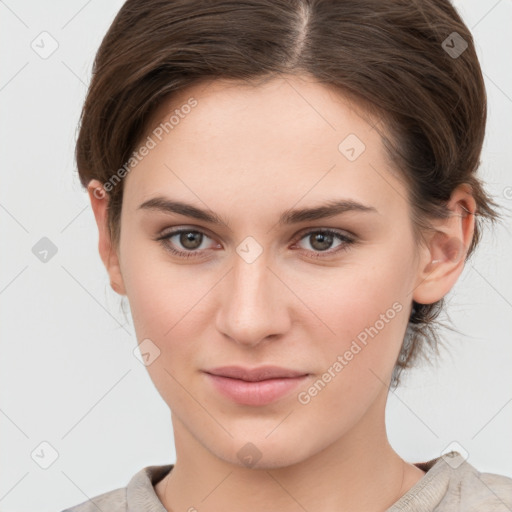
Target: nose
[(254, 304)]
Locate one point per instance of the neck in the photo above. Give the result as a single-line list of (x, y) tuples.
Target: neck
[(358, 472)]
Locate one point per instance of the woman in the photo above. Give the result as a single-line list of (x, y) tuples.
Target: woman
[(285, 191)]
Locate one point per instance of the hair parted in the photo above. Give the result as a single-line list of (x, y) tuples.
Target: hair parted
[(389, 56)]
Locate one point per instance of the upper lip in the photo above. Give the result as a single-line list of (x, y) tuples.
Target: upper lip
[(255, 374)]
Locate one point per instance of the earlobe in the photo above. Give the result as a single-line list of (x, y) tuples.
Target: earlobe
[(445, 254), (99, 203)]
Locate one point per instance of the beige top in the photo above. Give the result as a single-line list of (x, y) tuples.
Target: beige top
[(450, 484)]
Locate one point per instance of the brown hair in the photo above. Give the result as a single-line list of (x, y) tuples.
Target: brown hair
[(411, 62)]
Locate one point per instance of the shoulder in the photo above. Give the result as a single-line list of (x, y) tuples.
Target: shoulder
[(451, 484), (484, 491), (111, 501), (470, 490), (139, 494)]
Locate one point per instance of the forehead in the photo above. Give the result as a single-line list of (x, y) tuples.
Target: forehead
[(277, 141)]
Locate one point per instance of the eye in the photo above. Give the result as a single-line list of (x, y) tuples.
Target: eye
[(321, 239), (192, 241)]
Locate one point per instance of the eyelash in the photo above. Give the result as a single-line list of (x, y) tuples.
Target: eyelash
[(345, 246)]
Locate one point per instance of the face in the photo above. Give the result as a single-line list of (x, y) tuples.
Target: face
[(327, 296)]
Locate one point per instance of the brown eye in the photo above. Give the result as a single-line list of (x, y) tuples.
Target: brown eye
[(321, 241), (190, 239)]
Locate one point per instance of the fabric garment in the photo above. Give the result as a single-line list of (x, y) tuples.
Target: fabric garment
[(450, 484)]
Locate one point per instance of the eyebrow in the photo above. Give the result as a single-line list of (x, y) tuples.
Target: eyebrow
[(291, 216)]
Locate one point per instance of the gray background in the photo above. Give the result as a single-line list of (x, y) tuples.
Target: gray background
[(68, 374)]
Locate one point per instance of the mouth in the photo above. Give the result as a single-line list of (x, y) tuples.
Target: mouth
[(256, 387), (255, 374)]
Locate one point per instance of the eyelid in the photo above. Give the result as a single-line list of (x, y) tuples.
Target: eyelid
[(184, 227), (168, 232), (345, 237), (338, 231)]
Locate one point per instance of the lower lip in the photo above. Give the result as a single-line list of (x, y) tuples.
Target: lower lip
[(255, 393)]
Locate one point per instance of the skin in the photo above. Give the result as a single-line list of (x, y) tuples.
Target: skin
[(248, 154)]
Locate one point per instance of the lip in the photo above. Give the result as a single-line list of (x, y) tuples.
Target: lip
[(257, 386), (255, 374)]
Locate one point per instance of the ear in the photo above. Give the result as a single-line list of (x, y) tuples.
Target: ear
[(444, 256), (99, 202)]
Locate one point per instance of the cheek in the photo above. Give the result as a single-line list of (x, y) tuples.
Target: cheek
[(168, 303), (166, 310), (369, 322), (159, 292), (355, 297), (364, 313)]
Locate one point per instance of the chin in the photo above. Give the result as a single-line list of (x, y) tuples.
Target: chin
[(261, 453)]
